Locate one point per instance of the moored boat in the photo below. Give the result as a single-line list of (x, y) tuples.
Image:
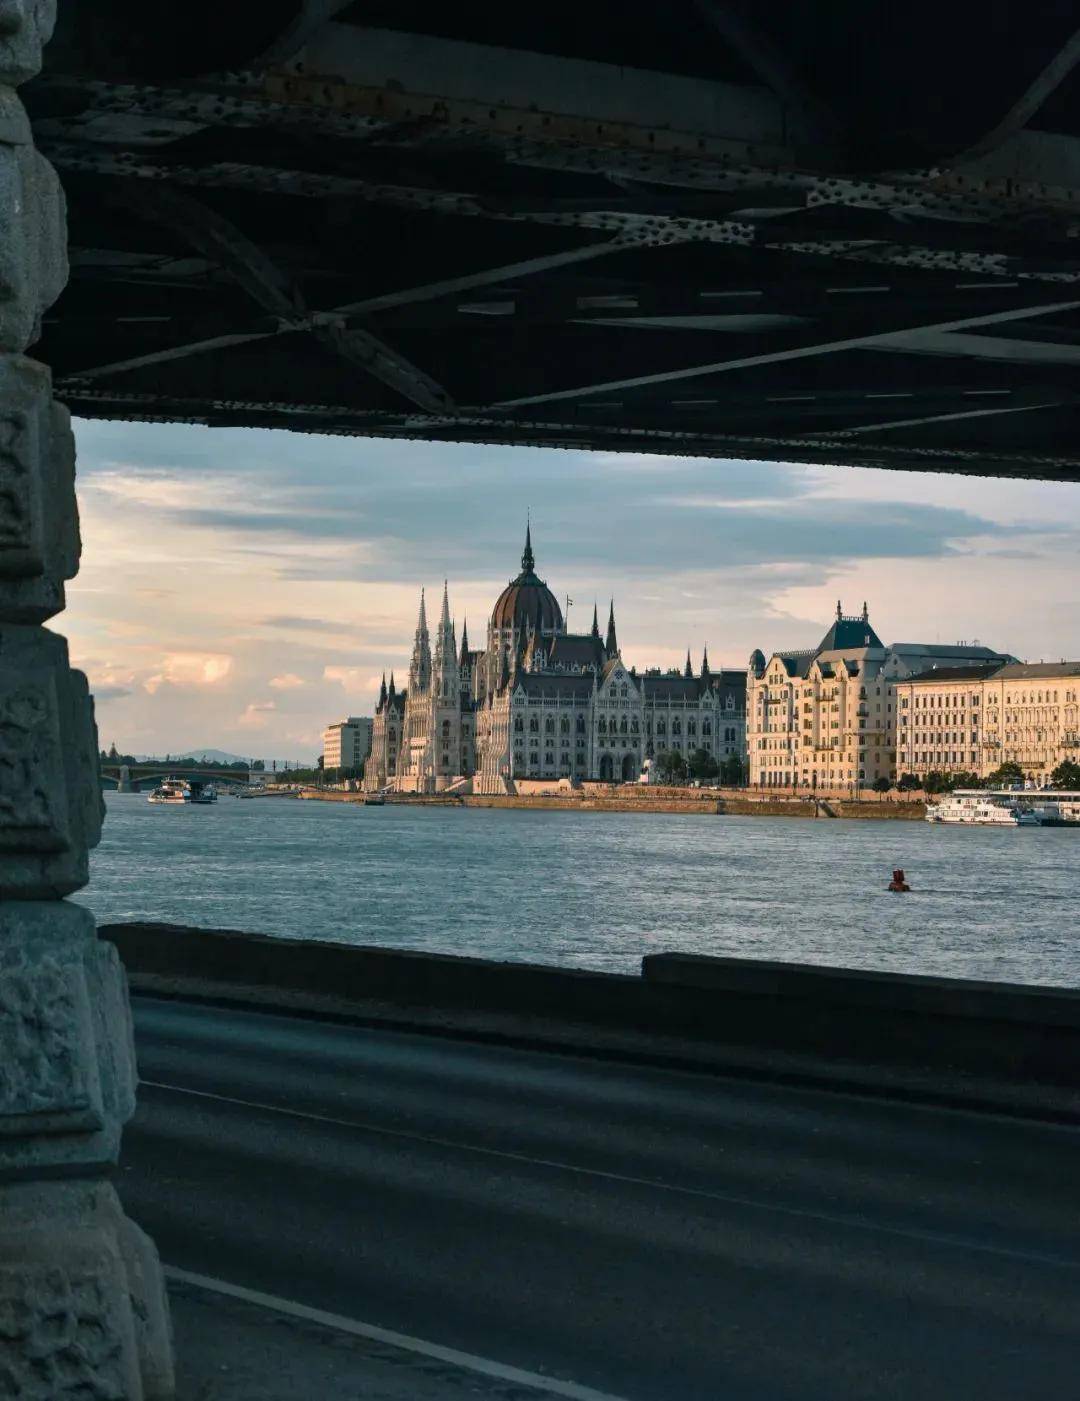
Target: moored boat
[(978, 807)]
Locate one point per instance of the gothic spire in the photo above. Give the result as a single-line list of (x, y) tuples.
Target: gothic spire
[(705, 664), (611, 646), (382, 696), (865, 612), (420, 666), (464, 659), (528, 562), (392, 692), (688, 670), (595, 622), (839, 611)]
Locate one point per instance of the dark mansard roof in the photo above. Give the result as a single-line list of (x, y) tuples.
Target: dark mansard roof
[(575, 650), (563, 686), (527, 599)]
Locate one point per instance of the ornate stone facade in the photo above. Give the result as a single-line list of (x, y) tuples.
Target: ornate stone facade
[(826, 717), (539, 702), (82, 1302)]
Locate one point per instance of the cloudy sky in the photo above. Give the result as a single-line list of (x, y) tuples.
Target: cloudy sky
[(239, 588)]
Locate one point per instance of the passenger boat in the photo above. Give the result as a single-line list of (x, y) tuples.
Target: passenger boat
[(984, 808), (171, 790), (181, 790), (1056, 808), (374, 800)]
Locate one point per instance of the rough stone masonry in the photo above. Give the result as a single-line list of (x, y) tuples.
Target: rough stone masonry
[(82, 1303)]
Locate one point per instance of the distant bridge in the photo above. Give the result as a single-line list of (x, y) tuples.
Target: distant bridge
[(135, 777)]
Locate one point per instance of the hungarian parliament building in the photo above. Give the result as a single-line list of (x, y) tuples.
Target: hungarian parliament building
[(539, 702)]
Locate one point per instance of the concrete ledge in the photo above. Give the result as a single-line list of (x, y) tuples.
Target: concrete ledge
[(984, 1046)]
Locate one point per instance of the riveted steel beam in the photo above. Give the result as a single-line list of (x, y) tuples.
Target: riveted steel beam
[(219, 239)]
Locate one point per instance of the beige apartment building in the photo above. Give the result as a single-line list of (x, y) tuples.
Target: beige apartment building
[(825, 718), (347, 743), (1022, 713)]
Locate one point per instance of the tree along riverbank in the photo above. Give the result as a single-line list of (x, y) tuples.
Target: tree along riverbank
[(689, 800)]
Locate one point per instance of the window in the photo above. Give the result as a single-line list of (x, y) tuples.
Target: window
[(534, 725), (676, 726), (564, 725), (519, 724), (706, 727), (549, 726), (602, 726), (581, 724)]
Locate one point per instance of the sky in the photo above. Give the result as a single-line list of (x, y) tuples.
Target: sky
[(240, 589)]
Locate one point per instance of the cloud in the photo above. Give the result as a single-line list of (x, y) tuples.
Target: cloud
[(288, 682), (107, 692), (254, 716), (356, 680), (189, 669)]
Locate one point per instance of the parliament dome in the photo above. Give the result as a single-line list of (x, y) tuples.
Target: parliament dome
[(527, 599)]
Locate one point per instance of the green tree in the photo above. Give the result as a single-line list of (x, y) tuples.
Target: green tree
[(909, 782), (964, 778), (703, 765), (670, 766), (733, 772), (936, 782), (1007, 773), (882, 784), (1066, 775)]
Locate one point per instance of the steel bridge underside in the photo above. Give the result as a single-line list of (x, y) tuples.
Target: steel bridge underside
[(845, 234)]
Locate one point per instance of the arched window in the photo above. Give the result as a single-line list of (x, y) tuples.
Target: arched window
[(549, 726), (519, 725), (661, 726), (393, 734), (581, 724), (676, 726), (634, 725), (691, 726), (706, 727), (564, 725), (602, 726), (534, 725), (622, 726)]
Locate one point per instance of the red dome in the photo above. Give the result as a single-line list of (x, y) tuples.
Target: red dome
[(527, 599)]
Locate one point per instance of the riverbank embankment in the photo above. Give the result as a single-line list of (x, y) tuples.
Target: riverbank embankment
[(595, 798)]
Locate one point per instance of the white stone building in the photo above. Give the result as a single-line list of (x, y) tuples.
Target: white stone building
[(347, 743), (539, 702), (826, 717)]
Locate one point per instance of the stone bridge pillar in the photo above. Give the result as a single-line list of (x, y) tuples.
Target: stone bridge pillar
[(123, 783), (82, 1306)]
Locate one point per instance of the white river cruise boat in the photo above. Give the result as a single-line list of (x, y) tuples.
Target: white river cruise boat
[(181, 790), (979, 807), (171, 790)]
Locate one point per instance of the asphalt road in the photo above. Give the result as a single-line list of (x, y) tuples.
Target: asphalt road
[(657, 1235)]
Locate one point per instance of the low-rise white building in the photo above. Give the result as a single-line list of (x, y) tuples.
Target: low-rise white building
[(347, 743)]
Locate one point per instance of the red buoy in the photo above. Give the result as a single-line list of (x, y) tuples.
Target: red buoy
[(898, 883)]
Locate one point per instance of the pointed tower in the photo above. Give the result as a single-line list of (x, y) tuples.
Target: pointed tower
[(595, 623), (528, 561), (382, 696), (463, 659), (611, 646), (445, 676), (705, 664), (688, 670), (420, 666), (393, 689)]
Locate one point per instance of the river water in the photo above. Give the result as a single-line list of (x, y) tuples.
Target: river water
[(599, 890)]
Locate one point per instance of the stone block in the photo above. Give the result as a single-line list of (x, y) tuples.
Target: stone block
[(26, 26), (50, 794), (33, 229), (39, 523), (67, 1068), (150, 1308), (67, 1314)]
